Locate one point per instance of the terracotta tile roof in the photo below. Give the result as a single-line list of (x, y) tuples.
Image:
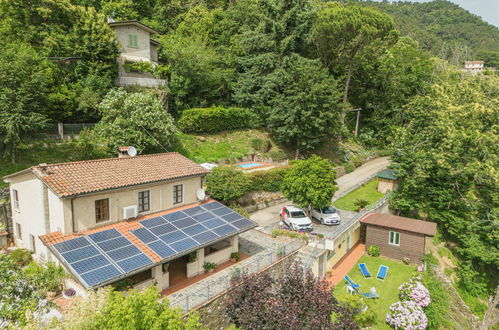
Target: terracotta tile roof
[(401, 223), (76, 178)]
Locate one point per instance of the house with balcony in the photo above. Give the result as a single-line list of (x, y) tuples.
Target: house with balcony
[(474, 66), (136, 45), (124, 218)]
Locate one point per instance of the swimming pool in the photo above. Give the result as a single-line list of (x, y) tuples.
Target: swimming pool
[(250, 165)]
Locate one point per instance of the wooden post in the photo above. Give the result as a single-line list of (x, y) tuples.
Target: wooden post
[(60, 128)]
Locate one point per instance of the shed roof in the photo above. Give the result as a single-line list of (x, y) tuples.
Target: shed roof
[(401, 223), (387, 174), (83, 177)]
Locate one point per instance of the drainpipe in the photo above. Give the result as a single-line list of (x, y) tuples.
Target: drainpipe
[(72, 217)]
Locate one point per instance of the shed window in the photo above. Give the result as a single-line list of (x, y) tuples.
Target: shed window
[(15, 196), (133, 41), (394, 238), (144, 204), (102, 210), (178, 194)]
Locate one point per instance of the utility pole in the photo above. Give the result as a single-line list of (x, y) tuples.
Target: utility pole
[(357, 121)]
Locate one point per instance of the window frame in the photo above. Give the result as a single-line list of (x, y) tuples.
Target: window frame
[(396, 235), (15, 199), (133, 41), (175, 195), (32, 241), (19, 231), (98, 212), (141, 198)]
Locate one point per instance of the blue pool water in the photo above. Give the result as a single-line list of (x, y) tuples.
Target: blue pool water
[(250, 165)]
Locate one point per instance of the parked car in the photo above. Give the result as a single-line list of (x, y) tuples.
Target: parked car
[(326, 216), (295, 218)]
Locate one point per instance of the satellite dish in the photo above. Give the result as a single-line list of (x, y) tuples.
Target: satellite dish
[(201, 194), (131, 151)]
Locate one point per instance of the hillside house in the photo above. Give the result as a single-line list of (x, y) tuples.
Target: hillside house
[(398, 237), (129, 218), (474, 66), (136, 45)]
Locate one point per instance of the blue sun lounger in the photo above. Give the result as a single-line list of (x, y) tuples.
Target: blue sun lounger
[(352, 283), (382, 272), (370, 295), (364, 270)]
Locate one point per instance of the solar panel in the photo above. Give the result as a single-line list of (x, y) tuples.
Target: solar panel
[(213, 223), (161, 249), (135, 262), (124, 252), (90, 263), (174, 216), (184, 223), (193, 210), (173, 236), (80, 254), (113, 244), (100, 275), (203, 216), (144, 235), (71, 244), (149, 223), (243, 223), (212, 206), (104, 235), (205, 237), (184, 245), (162, 229), (224, 230), (231, 217), (222, 211), (193, 230)]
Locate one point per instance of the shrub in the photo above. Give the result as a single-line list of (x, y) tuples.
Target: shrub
[(438, 310), (415, 291), (209, 265), (348, 167), (278, 155), (239, 209), (235, 255), (383, 152), (191, 257), (373, 251), (216, 119), (357, 161), (361, 203), (48, 277), (227, 183), (288, 233), (472, 281), (269, 180), (22, 256), (406, 315), (365, 310), (261, 145), (430, 260)]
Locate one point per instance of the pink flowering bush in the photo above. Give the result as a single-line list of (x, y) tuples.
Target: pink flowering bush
[(407, 315), (415, 290)]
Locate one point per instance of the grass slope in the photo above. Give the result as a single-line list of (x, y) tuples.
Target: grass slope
[(368, 192), (398, 273)]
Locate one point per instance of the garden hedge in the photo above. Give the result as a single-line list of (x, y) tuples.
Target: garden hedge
[(269, 180), (216, 119)]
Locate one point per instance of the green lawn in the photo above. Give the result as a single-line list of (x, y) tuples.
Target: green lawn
[(398, 273), (368, 192)]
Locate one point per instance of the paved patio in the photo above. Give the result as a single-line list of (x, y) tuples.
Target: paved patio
[(346, 263)]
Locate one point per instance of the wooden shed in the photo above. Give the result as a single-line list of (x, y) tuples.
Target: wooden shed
[(399, 237), (387, 181)]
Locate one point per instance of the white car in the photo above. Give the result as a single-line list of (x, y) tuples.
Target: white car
[(295, 218), (326, 216)]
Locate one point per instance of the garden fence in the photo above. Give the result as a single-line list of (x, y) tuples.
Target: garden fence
[(62, 131), (197, 294)]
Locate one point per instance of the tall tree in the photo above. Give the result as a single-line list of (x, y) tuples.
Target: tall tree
[(342, 33), (305, 111)]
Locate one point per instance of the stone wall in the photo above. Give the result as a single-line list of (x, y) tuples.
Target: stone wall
[(212, 313)]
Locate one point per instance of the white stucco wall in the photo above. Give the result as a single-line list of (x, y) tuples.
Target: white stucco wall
[(30, 214), (143, 41), (56, 213)]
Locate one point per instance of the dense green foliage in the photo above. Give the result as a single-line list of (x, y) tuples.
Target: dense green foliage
[(444, 29), (216, 119), (227, 183), (269, 180), (310, 183), (438, 310), (446, 159)]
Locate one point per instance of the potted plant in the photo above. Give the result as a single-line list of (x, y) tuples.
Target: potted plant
[(69, 293), (235, 256), (209, 266), (191, 257)]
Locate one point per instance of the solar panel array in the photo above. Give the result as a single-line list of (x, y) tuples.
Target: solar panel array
[(175, 233), (102, 256)]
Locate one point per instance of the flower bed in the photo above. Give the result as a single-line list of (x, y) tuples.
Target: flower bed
[(415, 290), (407, 315)]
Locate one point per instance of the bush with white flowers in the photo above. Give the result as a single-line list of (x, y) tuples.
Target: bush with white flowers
[(407, 315), (415, 290)]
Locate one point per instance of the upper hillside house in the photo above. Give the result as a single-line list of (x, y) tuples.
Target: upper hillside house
[(398, 237), (387, 181), (130, 217), (473, 66), (136, 45)]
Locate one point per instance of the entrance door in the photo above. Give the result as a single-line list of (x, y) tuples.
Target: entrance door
[(348, 242)]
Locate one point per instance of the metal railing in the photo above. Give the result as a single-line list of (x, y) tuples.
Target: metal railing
[(61, 130), (199, 293)]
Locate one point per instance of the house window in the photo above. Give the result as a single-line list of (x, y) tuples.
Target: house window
[(19, 232), (133, 41), (32, 243), (394, 238), (178, 194), (144, 204), (15, 196), (102, 210), (330, 254)]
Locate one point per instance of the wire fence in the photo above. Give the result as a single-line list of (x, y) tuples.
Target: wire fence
[(62, 130), (218, 283)]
